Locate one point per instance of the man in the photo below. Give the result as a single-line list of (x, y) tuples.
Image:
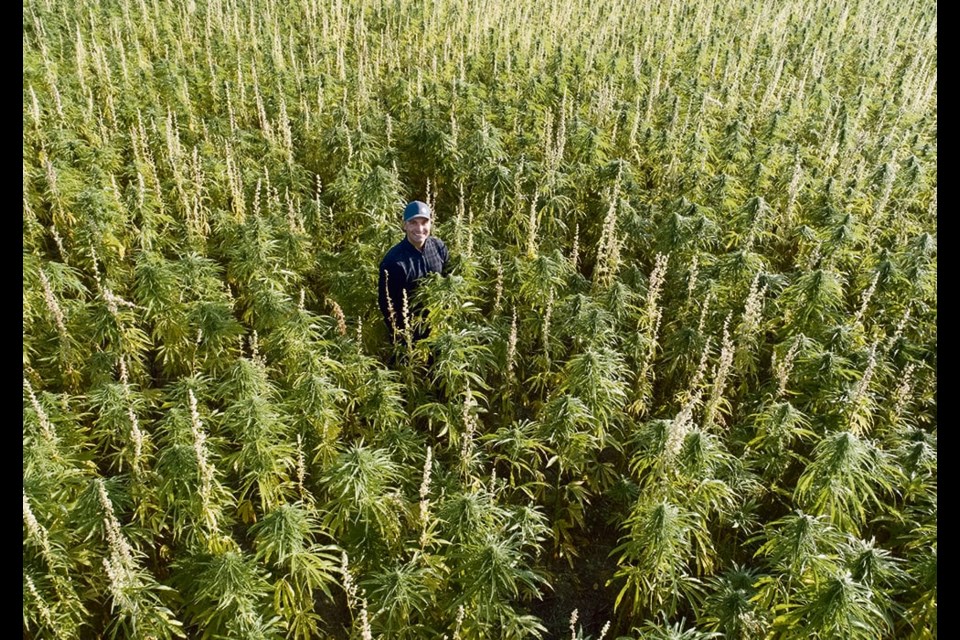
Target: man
[(408, 261)]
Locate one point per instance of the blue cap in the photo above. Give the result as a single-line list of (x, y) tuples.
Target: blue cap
[(417, 209)]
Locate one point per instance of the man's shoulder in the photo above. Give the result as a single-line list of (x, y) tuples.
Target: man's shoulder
[(396, 253), (438, 245)]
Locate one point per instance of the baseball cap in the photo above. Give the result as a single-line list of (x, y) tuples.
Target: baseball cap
[(417, 209)]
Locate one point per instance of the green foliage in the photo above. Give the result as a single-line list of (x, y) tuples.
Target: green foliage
[(363, 505), (681, 375), (844, 479), (655, 558), (226, 594)]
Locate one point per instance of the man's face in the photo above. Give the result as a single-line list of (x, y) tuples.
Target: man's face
[(417, 230)]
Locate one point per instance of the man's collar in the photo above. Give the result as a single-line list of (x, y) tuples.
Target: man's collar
[(412, 246)]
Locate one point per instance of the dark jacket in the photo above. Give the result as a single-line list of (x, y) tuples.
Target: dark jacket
[(399, 271)]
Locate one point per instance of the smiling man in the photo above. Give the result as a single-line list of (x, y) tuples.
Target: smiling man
[(418, 254)]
